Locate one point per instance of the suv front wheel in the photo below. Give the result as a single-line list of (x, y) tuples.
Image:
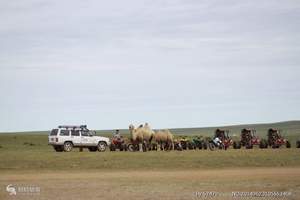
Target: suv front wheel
[(101, 146), (68, 146)]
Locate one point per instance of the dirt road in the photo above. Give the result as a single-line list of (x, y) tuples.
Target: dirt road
[(192, 184)]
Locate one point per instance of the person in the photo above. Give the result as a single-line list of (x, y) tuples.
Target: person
[(117, 138), (117, 134), (217, 141)]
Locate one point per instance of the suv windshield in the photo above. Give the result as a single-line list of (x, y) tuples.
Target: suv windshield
[(54, 132), (85, 133), (92, 133)]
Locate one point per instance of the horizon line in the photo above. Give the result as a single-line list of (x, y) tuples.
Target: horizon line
[(194, 127)]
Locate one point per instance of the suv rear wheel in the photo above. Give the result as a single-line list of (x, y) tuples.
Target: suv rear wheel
[(68, 146), (101, 146)]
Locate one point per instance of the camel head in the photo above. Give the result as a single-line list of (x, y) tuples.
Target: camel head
[(132, 131), (131, 127)]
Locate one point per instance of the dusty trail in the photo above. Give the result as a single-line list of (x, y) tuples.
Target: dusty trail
[(176, 184)]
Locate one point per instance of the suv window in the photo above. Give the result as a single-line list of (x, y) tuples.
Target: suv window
[(64, 132), (75, 133), (54, 132), (84, 133)]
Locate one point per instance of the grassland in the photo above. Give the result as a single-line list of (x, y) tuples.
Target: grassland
[(27, 159), (32, 152)]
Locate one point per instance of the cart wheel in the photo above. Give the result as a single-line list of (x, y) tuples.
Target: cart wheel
[(130, 147), (211, 146)]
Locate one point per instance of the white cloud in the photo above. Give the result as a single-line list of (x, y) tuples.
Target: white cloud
[(118, 61)]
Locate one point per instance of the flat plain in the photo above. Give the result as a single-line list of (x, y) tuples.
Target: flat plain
[(27, 160)]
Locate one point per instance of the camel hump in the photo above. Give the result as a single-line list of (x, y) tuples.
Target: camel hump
[(167, 131), (169, 134)]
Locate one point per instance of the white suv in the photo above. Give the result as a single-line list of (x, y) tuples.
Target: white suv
[(64, 138)]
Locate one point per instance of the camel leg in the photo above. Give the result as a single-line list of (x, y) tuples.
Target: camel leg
[(141, 147), (173, 146), (146, 146)]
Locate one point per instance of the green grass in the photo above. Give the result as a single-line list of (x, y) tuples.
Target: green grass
[(32, 152)]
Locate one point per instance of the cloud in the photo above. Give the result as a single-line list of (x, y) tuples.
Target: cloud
[(132, 60)]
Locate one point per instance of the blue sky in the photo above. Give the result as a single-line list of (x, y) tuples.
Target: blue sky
[(170, 63)]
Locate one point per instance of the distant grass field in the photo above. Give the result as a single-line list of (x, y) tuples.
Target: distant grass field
[(289, 129)]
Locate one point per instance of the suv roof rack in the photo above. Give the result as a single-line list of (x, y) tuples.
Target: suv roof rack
[(73, 127)]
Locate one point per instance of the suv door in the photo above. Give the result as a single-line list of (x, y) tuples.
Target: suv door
[(75, 136), (87, 139), (64, 135)]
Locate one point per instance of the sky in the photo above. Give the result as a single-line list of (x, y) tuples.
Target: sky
[(171, 63)]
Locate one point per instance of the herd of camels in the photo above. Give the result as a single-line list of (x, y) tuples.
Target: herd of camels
[(144, 135)]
